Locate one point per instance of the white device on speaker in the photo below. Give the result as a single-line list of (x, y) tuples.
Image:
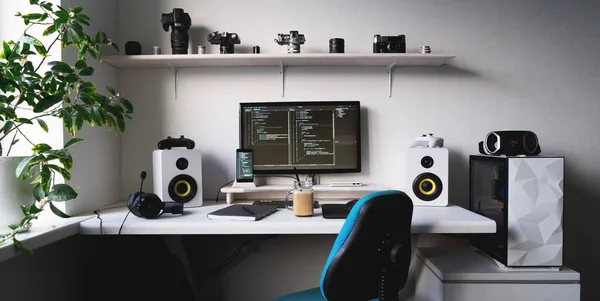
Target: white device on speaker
[(427, 176), (177, 175), (426, 141)]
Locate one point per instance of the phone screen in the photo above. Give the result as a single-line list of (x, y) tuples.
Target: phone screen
[(244, 171)]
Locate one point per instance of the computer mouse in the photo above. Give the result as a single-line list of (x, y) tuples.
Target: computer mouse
[(350, 204)]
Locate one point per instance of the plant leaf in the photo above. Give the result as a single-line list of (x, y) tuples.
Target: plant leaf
[(46, 103), (25, 120), (87, 71), (13, 226), (7, 126), (60, 67), (33, 209), (73, 142), (111, 90), (21, 248), (31, 40), (115, 46), (6, 52), (80, 64), (65, 173), (22, 165), (42, 147), (38, 192), (58, 212), (61, 193), (43, 125), (127, 104)]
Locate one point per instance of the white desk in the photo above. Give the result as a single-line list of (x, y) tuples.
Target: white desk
[(451, 219)]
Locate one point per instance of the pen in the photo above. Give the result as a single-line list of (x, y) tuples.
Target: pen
[(249, 210)]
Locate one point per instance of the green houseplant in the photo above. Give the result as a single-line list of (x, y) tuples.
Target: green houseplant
[(60, 92)]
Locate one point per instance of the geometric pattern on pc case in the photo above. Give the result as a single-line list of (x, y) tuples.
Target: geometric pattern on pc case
[(525, 196), (427, 176), (371, 254), (535, 211)]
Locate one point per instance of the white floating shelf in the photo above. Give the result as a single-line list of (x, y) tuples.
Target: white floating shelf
[(177, 61), (298, 59)]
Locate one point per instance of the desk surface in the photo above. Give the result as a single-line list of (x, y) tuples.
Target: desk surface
[(451, 219)]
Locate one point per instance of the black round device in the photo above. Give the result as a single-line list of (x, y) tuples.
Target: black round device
[(336, 45), (149, 205)]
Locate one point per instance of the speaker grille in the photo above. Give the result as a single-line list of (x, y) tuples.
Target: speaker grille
[(427, 186), (182, 188)]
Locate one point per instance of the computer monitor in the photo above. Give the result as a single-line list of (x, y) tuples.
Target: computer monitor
[(312, 136)]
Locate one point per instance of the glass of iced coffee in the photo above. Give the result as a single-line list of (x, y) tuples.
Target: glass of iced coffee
[(302, 198)]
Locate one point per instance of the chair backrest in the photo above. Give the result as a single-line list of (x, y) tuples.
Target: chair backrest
[(373, 249)]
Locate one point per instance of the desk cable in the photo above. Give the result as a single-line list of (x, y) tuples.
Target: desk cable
[(129, 211), (97, 213)]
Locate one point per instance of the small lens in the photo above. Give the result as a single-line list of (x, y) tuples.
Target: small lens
[(427, 161), (182, 163)]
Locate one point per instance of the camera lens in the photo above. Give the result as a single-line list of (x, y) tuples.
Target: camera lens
[(427, 162), (336, 45), (182, 163)]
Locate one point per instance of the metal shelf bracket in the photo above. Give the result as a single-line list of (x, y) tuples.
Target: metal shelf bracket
[(282, 68), (390, 71), (175, 72)]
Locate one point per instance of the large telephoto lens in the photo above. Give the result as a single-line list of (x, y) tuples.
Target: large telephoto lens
[(180, 40)]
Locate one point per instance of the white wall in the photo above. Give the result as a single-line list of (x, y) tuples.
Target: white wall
[(97, 160), (519, 65)]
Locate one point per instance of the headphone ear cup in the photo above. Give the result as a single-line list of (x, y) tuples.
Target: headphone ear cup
[(133, 203), (151, 205)]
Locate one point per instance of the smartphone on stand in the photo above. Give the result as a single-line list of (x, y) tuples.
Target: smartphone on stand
[(244, 166)]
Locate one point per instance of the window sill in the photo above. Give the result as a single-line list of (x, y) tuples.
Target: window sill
[(46, 230)]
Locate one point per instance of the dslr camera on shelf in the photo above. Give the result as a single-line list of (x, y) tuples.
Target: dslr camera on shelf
[(389, 44), (293, 40), (226, 40), (180, 22)]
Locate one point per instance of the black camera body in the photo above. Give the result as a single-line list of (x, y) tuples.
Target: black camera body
[(293, 40), (389, 44), (226, 40), (180, 22)]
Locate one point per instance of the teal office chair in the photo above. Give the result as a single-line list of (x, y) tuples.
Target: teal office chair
[(371, 254)]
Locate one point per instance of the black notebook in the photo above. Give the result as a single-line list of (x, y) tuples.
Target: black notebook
[(243, 212)]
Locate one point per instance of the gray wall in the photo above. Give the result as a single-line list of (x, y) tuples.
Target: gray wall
[(521, 64)]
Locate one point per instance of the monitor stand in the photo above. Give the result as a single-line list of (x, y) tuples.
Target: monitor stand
[(243, 184), (255, 183)]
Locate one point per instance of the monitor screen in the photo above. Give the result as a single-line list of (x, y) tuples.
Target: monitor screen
[(312, 136)]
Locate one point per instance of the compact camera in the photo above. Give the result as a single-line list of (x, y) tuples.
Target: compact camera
[(389, 44), (226, 40), (181, 23), (293, 40)]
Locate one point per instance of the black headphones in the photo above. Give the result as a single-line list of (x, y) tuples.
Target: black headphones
[(149, 205)]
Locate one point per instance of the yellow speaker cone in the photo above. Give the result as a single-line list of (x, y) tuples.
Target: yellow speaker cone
[(430, 191), (188, 188)]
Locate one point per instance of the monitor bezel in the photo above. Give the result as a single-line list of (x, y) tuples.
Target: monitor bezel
[(356, 103)]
